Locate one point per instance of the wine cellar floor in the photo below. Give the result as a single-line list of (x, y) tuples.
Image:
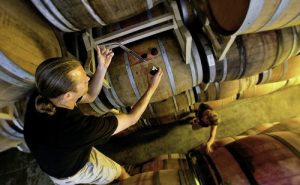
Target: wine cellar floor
[(20, 168)]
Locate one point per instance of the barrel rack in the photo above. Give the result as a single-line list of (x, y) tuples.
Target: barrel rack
[(168, 21)]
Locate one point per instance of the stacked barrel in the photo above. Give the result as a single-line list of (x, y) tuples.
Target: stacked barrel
[(261, 60), (273, 160), (26, 41)]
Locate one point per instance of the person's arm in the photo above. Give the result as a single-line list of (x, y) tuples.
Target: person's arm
[(213, 132), (104, 58), (126, 120)]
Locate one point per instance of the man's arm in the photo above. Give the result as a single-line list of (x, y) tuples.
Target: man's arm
[(126, 120), (104, 58), (211, 140)]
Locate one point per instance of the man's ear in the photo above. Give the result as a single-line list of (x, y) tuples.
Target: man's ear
[(68, 96)]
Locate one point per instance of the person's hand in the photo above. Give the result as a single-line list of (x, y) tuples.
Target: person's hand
[(104, 57), (154, 80), (209, 147)]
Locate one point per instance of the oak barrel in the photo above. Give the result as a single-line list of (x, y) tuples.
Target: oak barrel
[(221, 90), (177, 117), (170, 105), (293, 81), (290, 124), (141, 124), (216, 104), (99, 107), (157, 11), (11, 130), (26, 41), (263, 89), (15, 83), (248, 82), (249, 54), (259, 128), (162, 162), (161, 177), (248, 16), (77, 15), (260, 159), (285, 71), (129, 76), (10, 136)]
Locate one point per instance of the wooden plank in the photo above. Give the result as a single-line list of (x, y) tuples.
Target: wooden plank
[(143, 34), (182, 33), (134, 28)]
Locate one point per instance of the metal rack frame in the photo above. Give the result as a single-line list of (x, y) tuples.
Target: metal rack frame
[(168, 21)]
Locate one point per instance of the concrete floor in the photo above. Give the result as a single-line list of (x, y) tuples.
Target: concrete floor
[(20, 168)]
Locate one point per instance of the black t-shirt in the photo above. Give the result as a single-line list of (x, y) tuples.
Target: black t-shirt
[(61, 143)]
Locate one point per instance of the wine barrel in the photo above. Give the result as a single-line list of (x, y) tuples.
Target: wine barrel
[(156, 11), (170, 156), (246, 83), (263, 89), (217, 91), (176, 117), (249, 55), (222, 90), (171, 105), (172, 162), (224, 141), (11, 131), (186, 11), (77, 15), (129, 76), (141, 124), (10, 136), (293, 81), (99, 107), (259, 128), (216, 104), (26, 41), (285, 125), (221, 94), (248, 16), (285, 71), (253, 131), (161, 177), (273, 160), (15, 83)]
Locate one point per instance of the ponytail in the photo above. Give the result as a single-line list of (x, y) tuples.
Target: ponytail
[(44, 105)]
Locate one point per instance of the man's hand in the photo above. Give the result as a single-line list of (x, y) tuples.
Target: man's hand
[(104, 57), (126, 120), (209, 147), (153, 81)]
